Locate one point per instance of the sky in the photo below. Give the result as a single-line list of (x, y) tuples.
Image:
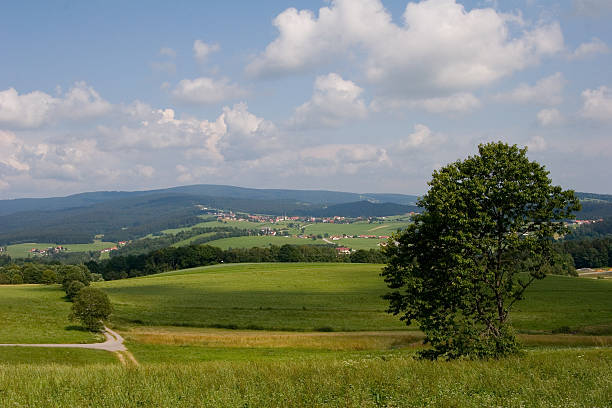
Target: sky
[(348, 95)]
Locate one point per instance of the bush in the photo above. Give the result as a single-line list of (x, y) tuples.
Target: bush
[(91, 306)]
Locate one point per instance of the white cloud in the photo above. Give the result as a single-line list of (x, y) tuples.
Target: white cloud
[(36, 108), (547, 91), (10, 148), (206, 90), (167, 52), (422, 137), (25, 110), (144, 171), (536, 144), (462, 102), (550, 117), (82, 102), (201, 50), (439, 48), (587, 49), (334, 101), (597, 104)]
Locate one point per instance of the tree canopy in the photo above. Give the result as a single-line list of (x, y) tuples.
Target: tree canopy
[(484, 236)]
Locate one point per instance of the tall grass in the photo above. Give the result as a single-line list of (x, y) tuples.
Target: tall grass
[(561, 378)]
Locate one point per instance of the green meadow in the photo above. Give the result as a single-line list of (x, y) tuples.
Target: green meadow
[(38, 314), (341, 297), (262, 241), (23, 250)]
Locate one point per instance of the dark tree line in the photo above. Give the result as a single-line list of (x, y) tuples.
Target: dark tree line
[(588, 253), (169, 259)]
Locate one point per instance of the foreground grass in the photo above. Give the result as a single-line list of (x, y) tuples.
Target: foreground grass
[(38, 314), (568, 378)]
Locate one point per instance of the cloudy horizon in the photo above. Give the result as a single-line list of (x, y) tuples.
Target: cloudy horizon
[(345, 95)]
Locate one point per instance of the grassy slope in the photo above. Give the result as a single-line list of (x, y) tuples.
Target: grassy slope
[(271, 296), (340, 296), (37, 314), (41, 355), (568, 378)]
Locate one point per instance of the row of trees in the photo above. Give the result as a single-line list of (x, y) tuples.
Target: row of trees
[(30, 272), (171, 258), (589, 253)]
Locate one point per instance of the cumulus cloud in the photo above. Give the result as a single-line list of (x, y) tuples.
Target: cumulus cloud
[(550, 117), (597, 104), (547, 91), (36, 108), (587, 49), (202, 50), (439, 47), (334, 101), (421, 137), (206, 90), (167, 52), (10, 148), (462, 102)]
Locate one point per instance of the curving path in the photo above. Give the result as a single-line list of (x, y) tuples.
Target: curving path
[(114, 342)]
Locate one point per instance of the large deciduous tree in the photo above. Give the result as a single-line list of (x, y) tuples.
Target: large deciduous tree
[(485, 234)]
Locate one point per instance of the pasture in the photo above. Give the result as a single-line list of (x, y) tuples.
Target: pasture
[(340, 297), (23, 250), (262, 241)]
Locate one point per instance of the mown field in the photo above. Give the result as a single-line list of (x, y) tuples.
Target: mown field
[(262, 241), (23, 250)]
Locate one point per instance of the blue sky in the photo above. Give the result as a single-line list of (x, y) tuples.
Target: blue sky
[(353, 95)]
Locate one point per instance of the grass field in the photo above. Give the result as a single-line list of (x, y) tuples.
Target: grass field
[(37, 314), (546, 378), (186, 366), (342, 297), (23, 250), (262, 241)]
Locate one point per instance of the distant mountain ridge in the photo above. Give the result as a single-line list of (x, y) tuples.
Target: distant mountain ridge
[(317, 197), (125, 215)]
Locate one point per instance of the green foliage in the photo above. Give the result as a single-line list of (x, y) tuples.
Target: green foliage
[(456, 270), (72, 273), (73, 288), (91, 306)]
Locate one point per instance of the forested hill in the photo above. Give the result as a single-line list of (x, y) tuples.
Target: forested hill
[(129, 215), (134, 217), (315, 197)]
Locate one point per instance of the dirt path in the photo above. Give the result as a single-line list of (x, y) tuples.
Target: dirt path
[(113, 343)]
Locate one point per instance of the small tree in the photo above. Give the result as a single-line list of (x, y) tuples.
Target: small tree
[(485, 234), (91, 306)]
